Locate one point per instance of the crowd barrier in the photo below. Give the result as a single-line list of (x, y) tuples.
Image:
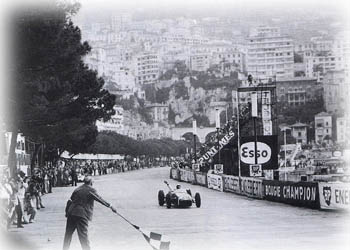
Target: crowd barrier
[(201, 179), (251, 187), (324, 195), (215, 182), (303, 194), (334, 195), (187, 176), (231, 184)]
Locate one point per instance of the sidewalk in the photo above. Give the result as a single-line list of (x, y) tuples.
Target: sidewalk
[(48, 230)]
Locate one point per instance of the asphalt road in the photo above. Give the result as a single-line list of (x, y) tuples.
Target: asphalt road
[(224, 221)]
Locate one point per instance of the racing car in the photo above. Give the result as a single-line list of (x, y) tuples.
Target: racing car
[(178, 197)]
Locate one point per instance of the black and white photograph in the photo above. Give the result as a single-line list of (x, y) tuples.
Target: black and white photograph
[(175, 125)]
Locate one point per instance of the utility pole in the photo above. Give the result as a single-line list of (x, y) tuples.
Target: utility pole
[(217, 131), (194, 124)]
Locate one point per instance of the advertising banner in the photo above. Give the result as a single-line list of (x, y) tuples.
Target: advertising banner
[(215, 182), (174, 173), (182, 175), (303, 194), (266, 152), (190, 177), (334, 195), (201, 179), (214, 149), (252, 187), (218, 168), (187, 176), (231, 184)]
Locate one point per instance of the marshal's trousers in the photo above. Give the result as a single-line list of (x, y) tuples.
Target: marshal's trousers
[(81, 224)]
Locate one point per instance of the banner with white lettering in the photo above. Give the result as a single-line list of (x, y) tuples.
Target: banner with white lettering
[(303, 194), (334, 195), (201, 179), (187, 176), (231, 184), (174, 173), (251, 187), (215, 182), (214, 149)]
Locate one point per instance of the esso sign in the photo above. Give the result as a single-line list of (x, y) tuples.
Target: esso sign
[(248, 156)]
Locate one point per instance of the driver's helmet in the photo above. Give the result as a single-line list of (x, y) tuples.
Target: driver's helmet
[(178, 186)]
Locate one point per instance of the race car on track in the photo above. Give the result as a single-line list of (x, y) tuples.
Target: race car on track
[(178, 197)]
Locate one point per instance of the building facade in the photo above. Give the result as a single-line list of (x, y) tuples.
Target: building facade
[(299, 132), (297, 91), (115, 124), (323, 127), (269, 54), (343, 129), (146, 65), (336, 91)]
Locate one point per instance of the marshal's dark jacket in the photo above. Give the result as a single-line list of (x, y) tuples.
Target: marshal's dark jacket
[(83, 199)]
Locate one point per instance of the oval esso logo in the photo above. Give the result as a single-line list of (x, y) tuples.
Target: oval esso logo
[(263, 153)]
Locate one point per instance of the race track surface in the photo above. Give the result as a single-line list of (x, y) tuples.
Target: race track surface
[(225, 220)]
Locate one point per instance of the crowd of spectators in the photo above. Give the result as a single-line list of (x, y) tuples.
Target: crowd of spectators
[(21, 195)]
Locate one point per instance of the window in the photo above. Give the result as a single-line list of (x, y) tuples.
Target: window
[(299, 134)]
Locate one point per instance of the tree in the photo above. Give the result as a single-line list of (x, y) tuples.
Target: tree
[(54, 98)]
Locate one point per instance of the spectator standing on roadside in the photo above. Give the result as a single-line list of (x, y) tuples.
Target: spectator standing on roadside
[(22, 188)]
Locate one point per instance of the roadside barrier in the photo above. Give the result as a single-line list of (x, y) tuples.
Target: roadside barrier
[(215, 182), (231, 184), (315, 195), (252, 187), (334, 195), (303, 194), (201, 179)]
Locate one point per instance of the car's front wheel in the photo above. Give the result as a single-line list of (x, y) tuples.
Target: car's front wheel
[(197, 199), (168, 200), (161, 197)]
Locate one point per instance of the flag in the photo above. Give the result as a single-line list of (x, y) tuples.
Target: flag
[(157, 241)]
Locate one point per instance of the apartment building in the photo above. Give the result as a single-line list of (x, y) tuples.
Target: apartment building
[(298, 90), (336, 91), (146, 67), (199, 61), (299, 132), (343, 129), (115, 124), (229, 55), (158, 112), (269, 54), (323, 127), (317, 66)]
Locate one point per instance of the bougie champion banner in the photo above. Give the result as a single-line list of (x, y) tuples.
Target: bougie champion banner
[(266, 151)]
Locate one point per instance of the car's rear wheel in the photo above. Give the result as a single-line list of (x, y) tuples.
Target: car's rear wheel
[(197, 199), (168, 200), (161, 197)]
